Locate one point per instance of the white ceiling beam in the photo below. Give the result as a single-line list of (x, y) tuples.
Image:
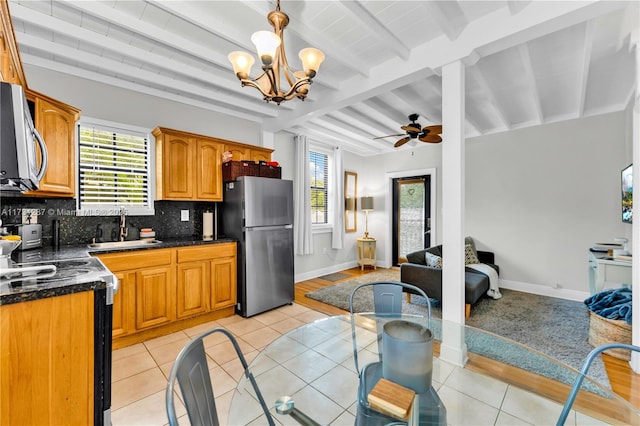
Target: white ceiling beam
[(153, 59), (364, 136), (584, 67), (101, 11), (337, 137), (490, 34), (451, 26), (377, 28), (319, 41), (128, 85), (530, 78), (110, 66), (362, 121), (390, 126)]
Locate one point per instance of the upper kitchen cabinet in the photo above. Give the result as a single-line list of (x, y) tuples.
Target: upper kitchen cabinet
[(10, 64), (241, 152), (56, 123), (188, 166)]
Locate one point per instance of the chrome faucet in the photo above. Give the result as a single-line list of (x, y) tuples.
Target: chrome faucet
[(124, 232)]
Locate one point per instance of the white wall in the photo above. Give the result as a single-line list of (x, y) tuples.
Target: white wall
[(98, 100)]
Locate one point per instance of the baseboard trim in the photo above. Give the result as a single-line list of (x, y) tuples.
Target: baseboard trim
[(324, 271), (541, 290)]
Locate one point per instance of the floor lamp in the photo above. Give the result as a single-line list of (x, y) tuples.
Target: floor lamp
[(366, 204)]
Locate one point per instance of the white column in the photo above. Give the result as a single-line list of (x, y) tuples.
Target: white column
[(635, 227), (453, 349)]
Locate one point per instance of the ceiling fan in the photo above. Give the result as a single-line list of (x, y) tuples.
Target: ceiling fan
[(413, 130)]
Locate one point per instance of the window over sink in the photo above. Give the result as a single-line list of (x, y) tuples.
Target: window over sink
[(114, 169)]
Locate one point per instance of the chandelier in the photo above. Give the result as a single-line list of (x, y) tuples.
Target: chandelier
[(276, 70)]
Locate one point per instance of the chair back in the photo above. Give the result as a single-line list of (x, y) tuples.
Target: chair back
[(387, 301), (191, 371)]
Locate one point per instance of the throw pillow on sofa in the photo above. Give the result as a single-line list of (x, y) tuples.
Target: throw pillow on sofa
[(433, 260), (470, 256)]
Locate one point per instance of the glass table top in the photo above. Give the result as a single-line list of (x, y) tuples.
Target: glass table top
[(314, 364)]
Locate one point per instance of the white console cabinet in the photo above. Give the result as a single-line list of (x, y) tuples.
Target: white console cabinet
[(605, 272)]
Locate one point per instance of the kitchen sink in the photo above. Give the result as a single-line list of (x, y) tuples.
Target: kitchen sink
[(123, 244)]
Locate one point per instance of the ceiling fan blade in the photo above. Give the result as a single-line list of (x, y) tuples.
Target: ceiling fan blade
[(410, 129), (388, 136), (433, 130), (430, 138), (401, 142)]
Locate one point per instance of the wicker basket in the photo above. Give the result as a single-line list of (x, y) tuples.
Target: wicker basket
[(603, 330), (233, 169), (265, 170)]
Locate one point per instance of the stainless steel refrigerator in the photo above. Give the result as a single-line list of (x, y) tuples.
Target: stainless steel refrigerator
[(258, 212)]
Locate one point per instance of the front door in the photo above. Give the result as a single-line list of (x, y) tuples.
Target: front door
[(411, 216)]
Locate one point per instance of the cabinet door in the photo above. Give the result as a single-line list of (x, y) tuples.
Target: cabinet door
[(57, 128), (223, 282), (259, 155), (238, 152), (208, 170), (192, 291), (124, 311), (46, 374), (155, 296), (177, 173)]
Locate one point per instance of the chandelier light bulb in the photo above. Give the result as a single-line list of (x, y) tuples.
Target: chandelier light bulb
[(311, 59), (242, 63), (267, 43)]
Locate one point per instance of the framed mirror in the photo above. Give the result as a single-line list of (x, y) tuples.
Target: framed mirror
[(350, 201)]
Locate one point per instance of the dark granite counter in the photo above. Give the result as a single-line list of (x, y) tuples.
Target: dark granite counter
[(77, 269)]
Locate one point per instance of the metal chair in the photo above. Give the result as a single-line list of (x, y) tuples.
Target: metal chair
[(387, 297), (192, 373), (583, 372)]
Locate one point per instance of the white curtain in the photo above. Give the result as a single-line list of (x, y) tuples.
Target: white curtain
[(337, 237), (302, 193)]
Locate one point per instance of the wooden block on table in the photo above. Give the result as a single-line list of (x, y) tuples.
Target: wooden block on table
[(391, 399)]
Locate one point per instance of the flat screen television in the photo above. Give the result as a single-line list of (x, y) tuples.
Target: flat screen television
[(627, 194)]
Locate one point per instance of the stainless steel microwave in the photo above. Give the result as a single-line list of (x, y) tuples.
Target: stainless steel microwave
[(19, 170)]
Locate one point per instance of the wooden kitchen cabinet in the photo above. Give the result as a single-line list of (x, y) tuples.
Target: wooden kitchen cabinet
[(46, 354), (241, 152), (11, 69), (168, 289), (188, 166), (56, 123)]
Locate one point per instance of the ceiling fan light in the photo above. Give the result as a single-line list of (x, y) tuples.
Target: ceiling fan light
[(266, 43), (311, 59), (242, 63)]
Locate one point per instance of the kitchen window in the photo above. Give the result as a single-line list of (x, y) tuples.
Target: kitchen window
[(319, 166), (115, 169)]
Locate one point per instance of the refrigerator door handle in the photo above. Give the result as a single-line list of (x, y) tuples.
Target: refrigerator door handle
[(268, 228)]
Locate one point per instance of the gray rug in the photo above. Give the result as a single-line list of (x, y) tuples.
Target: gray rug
[(556, 327)]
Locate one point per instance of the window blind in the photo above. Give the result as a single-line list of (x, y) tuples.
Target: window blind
[(114, 169), (319, 182)]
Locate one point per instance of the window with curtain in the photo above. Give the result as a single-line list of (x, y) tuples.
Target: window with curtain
[(115, 170), (319, 182)]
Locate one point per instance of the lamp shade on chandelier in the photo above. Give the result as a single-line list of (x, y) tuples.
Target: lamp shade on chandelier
[(277, 82)]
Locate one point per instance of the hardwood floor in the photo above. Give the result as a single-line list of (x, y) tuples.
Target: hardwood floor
[(623, 380)]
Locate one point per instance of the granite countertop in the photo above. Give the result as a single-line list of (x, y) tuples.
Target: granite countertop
[(77, 269)]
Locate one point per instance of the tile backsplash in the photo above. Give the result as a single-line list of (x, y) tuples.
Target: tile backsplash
[(81, 229)]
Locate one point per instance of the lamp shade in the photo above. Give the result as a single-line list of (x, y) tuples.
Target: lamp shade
[(267, 43), (366, 203), (311, 59), (242, 63)]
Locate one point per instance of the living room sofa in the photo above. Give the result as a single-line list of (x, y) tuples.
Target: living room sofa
[(429, 278)]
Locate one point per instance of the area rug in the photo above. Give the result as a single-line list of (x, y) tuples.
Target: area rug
[(556, 327), (336, 276)]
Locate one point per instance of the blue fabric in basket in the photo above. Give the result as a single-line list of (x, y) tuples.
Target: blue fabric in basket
[(612, 304)]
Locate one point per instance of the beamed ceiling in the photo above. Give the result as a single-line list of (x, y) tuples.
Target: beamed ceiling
[(527, 62)]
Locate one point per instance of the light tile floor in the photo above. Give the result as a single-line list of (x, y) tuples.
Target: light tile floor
[(140, 376)]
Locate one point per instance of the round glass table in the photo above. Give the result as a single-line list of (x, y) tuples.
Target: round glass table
[(501, 383)]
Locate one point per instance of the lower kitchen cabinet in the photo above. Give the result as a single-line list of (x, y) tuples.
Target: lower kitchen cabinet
[(164, 290), (46, 354)]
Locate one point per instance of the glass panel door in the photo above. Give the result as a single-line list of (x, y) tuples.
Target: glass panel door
[(411, 219)]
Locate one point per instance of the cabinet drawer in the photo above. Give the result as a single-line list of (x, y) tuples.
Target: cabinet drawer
[(136, 259), (209, 251)]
